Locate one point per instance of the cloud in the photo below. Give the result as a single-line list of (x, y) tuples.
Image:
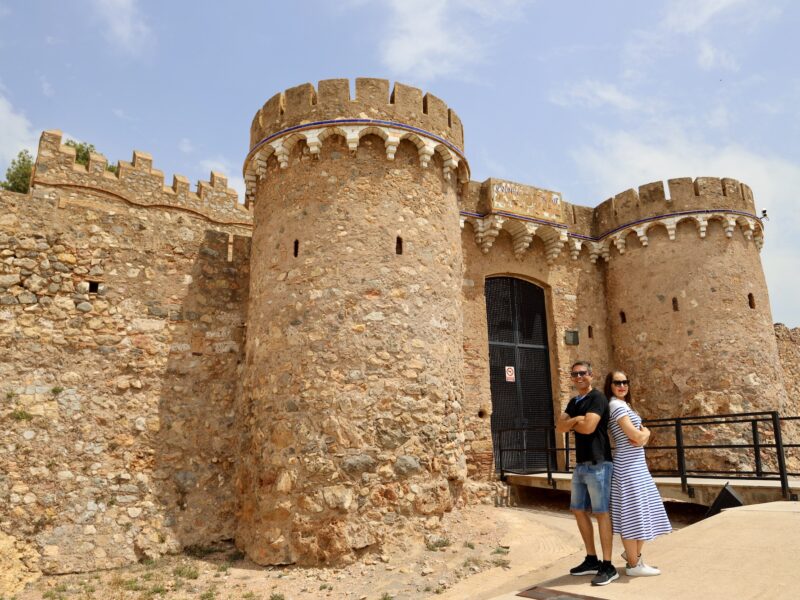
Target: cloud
[(689, 16), (47, 89), (435, 38), (710, 57), (185, 146), (125, 28), (16, 134), (618, 160), (121, 114), (224, 166), (690, 19), (595, 93)]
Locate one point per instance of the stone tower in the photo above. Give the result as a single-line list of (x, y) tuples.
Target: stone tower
[(353, 375), (688, 309)]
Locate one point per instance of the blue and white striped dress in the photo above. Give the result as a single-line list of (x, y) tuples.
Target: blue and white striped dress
[(637, 511)]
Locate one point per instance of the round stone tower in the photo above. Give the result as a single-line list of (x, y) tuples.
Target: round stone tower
[(689, 313), (353, 379)]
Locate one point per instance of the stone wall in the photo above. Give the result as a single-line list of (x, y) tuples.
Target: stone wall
[(354, 376), (789, 353), (120, 335)]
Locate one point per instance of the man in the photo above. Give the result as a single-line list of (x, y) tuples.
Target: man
[(587, 416)]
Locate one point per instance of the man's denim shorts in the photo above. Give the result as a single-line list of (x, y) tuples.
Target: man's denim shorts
[(591, 487)]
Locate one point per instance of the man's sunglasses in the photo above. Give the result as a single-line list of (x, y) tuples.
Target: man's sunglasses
[(576, 374)]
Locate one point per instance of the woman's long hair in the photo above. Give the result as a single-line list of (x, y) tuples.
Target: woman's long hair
[(607, 387)]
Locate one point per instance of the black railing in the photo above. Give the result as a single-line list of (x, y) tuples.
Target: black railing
[(761, 425), (766, 446)]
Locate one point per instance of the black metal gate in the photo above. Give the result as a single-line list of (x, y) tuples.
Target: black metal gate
[(517, 321)]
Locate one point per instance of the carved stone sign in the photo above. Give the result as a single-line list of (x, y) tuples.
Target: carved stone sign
[(525, 200)]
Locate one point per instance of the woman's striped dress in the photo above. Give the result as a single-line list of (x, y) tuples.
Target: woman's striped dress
[(637, 511)]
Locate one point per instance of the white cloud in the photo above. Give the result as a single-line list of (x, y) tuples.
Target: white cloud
[(690, 19), (619, 160), (710, 57), (719, 117), (121, 114), (47, 88), (186, 146), (433, 38), (689, 16), (16, 134), (595, 93), (224, 166), (124, 26)]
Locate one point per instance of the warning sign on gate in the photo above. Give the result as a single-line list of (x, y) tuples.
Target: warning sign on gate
[(510, 375)]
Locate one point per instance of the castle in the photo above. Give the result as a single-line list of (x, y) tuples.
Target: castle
[(341, 354)]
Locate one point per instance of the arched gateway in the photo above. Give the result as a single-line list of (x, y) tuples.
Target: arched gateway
[(522, 399)]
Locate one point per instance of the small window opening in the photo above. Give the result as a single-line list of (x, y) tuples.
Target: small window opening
[(94, 287), (675, 305), (296, 248), (481, 413), (591, 332), (622, 317), (751, 300), (230, 247), (398, 246)]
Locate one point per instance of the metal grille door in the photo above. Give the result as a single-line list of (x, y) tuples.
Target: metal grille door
[(517, 323)]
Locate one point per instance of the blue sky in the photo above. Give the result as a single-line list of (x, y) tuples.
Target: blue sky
[(587, 98)]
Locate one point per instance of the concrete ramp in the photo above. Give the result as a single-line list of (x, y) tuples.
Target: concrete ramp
[(742, 553)]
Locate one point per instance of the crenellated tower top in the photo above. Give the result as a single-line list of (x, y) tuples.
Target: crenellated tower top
[(330, 100), (308, 114)]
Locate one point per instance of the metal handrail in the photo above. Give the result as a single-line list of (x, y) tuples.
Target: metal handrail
[(771, 419)]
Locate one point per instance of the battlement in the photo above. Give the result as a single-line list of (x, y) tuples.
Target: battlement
[(136, 182), (331, 100), (685, 194)]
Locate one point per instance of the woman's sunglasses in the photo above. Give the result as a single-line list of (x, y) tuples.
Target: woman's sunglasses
[(621, 382)]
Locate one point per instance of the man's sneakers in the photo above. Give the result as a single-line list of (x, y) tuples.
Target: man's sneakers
[(604, 572), (605, 575), (589, 566)]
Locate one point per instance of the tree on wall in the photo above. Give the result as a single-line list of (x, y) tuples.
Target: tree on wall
[(82, 151), (18, 174)]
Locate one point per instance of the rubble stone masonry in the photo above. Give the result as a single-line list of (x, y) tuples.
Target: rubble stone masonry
[(121, 328)]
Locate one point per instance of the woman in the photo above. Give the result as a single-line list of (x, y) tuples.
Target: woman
[(637, 511)]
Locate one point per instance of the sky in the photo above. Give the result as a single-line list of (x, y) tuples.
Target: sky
[(587, 98)]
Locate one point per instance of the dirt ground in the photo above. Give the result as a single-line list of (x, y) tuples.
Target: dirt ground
[(469, 550)]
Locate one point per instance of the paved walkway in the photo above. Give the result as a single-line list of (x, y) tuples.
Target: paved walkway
[(742, 553)]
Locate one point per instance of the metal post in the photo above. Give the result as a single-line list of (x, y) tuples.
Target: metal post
[(776, 427), (548, 457), (757, 448), (566, 452), (681, 457)]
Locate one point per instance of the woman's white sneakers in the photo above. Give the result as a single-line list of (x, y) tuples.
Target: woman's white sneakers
[(641, 570)]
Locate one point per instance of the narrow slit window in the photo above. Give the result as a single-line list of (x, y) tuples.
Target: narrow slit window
[(675, 305), (296, 248), (590, 332), (622, 317), (94, 287), (398, 246), (751, 300)]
